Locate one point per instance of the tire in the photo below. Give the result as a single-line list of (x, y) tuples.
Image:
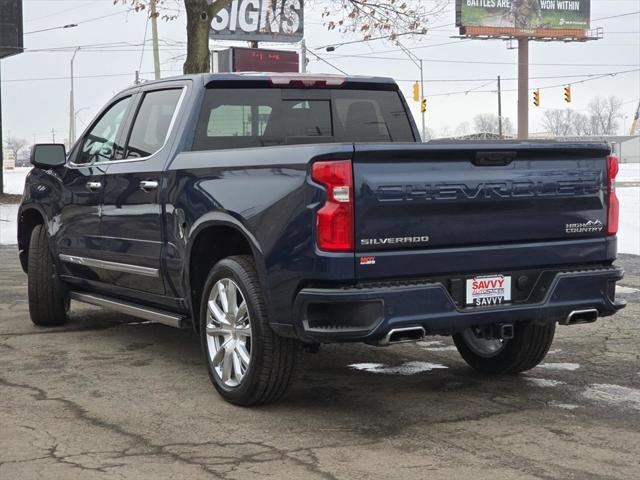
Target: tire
[(527, 348), (272, 360), (48, 299)]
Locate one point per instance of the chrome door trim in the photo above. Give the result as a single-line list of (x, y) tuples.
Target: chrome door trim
[(104, 265), (128, 308)]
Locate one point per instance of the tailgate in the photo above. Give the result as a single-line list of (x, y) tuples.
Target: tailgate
[(454, 196)]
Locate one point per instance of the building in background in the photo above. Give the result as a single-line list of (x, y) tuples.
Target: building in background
[(626, 148), (9, 159)]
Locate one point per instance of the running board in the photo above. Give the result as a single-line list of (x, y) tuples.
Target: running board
[(132, 309)]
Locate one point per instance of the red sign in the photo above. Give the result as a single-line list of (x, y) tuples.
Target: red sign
[(260, 60)]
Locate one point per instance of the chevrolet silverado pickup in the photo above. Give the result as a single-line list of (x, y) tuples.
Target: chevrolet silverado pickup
[(272, 213)]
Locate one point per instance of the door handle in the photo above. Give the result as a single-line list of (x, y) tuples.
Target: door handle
[(148, 185), (93, 186)]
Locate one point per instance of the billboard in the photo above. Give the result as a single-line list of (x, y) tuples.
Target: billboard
[(537, 18), (260, 20), (11, 41)]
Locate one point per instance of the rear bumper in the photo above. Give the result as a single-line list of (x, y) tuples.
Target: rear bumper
[(368, 312)]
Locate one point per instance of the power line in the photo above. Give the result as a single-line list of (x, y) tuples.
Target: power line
[(485, 62), (465, 92), (80, 22), (615, 16)]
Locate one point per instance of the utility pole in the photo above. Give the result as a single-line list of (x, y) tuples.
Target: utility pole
[(53, 135), (523, 88), (72, 107), (500, 109), (154, 37)]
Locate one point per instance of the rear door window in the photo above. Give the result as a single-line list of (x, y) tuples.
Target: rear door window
[(151, 126)]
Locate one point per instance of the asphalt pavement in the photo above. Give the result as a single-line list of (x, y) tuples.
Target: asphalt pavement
[(107, 396)]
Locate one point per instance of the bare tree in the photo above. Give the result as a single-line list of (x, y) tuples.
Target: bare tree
[(605, 114), (365, 17), (489, 123), (15, 145), (463, 129), (561, 123), (380, 17), (582, 125), (603, 118)]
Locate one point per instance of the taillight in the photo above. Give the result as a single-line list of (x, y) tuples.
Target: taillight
[(334, 221), (613, 214)]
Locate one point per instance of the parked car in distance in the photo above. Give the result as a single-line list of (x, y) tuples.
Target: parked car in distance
[(270, 212)]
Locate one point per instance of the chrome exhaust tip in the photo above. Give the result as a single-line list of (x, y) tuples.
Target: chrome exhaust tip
[(403, 335), (577, 317)]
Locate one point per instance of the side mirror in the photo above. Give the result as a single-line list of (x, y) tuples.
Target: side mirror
[(48, 155)]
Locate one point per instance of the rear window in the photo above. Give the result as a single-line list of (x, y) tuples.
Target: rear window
[(262, 117)]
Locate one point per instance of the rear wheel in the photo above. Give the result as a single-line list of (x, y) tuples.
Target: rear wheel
[(527, 348), (48, 299), (248, 363)]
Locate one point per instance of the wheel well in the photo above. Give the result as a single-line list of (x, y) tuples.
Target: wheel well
[(28, 221), (210, 246)]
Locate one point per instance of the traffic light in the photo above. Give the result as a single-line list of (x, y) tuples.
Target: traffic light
[(423, 105), (536, 98), (567, 94), (416, 92)]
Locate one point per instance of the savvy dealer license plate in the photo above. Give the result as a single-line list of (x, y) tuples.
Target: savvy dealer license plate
[(488, 290)]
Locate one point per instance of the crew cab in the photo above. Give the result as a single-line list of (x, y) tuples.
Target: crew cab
[(277, 212)]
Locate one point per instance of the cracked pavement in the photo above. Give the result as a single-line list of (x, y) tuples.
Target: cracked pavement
[(107, 396)]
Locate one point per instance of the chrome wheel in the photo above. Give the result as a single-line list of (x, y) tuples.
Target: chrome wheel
[(481, 346), (228, 332)]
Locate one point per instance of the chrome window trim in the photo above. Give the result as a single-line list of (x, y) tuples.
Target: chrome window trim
[(174, 119), (105, 265)]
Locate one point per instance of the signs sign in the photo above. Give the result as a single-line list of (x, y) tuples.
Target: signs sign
[(11, 41), (536, 18), (260, 20)]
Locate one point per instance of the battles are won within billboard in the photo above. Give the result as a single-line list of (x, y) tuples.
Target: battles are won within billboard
[(525, 14), (260, 20)]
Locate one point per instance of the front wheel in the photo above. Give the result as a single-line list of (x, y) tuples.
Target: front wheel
[(527, 348), (248, 363), (48, 299)]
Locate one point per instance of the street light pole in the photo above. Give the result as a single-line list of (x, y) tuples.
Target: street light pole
[(418, 63), (72, 107)]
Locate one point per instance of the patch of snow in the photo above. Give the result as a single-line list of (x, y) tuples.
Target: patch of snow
[(564, 406), (544, 382), (407, 368), (430, 343), (559, 366), (14, 179), (613, 395), (554, 351), (626, 290), (629, 228), (8, 224), (450, 348), (629, 172)]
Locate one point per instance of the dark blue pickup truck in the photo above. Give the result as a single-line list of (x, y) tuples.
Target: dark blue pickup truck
[(273, 213)]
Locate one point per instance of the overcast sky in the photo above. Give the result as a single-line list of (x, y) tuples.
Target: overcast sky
[(35, 84)]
